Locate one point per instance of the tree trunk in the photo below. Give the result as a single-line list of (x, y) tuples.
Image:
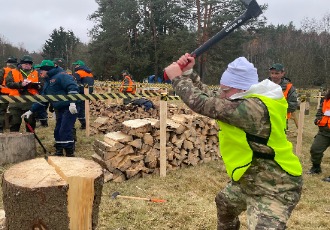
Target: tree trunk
[(63, 193), (16, 147)]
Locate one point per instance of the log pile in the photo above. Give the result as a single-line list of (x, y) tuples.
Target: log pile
[(134, 151), (114, 114)]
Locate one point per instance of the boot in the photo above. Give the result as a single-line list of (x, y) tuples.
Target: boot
[(59, 150), (327, 179), (83, 126), (316, 169), (44, 123), (69, 152)]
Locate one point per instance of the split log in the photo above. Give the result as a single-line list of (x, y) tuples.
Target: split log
[(117, 136), (63, 193), (136, 127), (16, 147)]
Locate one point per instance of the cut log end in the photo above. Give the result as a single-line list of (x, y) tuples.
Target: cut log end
[(63, 193)]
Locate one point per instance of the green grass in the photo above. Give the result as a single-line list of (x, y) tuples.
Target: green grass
[(190, 192)]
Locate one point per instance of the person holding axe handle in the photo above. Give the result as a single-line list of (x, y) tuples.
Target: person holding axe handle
[(265, 174), (57, 82)]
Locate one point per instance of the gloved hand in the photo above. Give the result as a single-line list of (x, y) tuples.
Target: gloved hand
[(27, 114), (26, 82), (73, 108), (327, 113), (316, 121)]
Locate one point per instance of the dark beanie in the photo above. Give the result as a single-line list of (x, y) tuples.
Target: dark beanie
[(46, 68)]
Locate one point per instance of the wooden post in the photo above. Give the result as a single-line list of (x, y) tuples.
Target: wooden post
[(163, 118), (86, 92), (109, 101), (318, 100), (300, 128)]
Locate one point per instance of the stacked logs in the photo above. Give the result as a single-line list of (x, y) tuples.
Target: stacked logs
[(115, 114), (134, 151)]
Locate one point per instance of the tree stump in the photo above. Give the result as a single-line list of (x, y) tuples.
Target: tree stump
[(63, 193), (16, 147)]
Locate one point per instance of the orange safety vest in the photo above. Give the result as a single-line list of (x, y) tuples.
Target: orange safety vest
[(18, 77), (285, 93), (83, 73), (325, 119), (4, 88), (130, 88)]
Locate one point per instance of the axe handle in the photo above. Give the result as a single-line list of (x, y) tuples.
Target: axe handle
[(141, 198), (252, 12)]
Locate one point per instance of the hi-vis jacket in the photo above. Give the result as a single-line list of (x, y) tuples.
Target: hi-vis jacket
[(84, 76), (17, 77), (127, 86), (237, 153), (4, 88), (285, 93), (325, 121)]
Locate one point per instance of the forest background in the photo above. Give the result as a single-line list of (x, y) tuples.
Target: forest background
[(144, 36)]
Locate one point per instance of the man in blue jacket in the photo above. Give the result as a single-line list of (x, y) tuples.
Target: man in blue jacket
[(57, 82)]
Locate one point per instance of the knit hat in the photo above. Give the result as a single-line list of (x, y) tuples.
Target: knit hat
[(240, 74)]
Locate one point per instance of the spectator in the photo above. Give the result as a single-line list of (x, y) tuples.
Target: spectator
[(277, 75), (127, 85), (59, 83), (59, 62), (23, 80), (265, 174), (42, 115), (11, 64), (84, 77), (322, 139)]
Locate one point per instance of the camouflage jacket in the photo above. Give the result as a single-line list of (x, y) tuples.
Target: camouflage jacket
[(251, 115)]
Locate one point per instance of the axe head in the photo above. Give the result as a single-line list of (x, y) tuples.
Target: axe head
[(114, 195), (253, 9)]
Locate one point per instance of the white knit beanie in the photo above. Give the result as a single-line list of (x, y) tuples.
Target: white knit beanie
[(240, 74)]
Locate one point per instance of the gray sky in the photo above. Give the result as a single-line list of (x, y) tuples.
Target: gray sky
[(30, 23)]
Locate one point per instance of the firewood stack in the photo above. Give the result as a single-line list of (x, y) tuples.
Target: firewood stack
[(134, 151), (117, 113)]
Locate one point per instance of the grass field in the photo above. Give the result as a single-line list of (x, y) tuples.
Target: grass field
[(190, 192)]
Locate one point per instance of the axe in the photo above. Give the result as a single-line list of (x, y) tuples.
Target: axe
[(253, 10), (116, 194), (36, 137)]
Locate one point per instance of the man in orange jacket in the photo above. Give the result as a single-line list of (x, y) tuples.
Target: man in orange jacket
[(84, 77), (127, 85), (322, 139), (10, 64), (24, 80)]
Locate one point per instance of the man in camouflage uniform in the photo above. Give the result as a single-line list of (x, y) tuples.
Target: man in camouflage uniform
[(10, 64), (265, 174)]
